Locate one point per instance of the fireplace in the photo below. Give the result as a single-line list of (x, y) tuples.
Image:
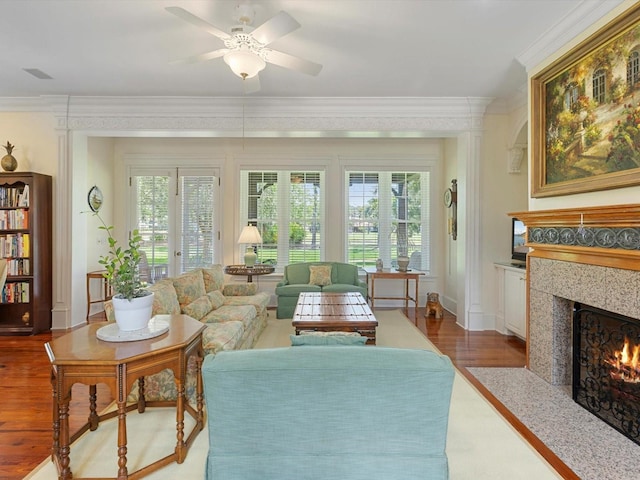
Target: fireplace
[(606, 367), (586, 255)]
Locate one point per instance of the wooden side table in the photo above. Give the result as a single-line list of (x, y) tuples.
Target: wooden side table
[(80, 357), (105, 289), (249, 272), (373, 274)]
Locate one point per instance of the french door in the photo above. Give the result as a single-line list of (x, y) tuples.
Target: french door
[(175, 210)]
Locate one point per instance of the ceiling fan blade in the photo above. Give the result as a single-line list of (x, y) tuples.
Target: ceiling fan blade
[(294, 63), (203, 57), (197, 21), (274, 28), (251, 85)]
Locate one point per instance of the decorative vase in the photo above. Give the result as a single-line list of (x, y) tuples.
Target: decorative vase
[(403, 263), (8, 162), (379, 265), (250, 257), (135, 314)]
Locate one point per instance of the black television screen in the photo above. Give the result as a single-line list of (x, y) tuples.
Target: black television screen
[(518, 239)]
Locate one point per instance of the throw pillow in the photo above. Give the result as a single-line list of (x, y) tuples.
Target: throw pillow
[(321, 333), (198, 308), (327, 340), (320, 275), (213, 278), (217, 299), (165, 300), (189, 287)]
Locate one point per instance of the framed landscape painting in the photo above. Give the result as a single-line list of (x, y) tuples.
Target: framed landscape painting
[(586, 114)]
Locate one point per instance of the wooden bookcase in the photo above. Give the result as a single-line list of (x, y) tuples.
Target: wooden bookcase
[(25, 242)]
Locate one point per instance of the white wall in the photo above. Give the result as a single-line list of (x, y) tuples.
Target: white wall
[(100, 155), (34, 139), (502, 192), (99, 172)]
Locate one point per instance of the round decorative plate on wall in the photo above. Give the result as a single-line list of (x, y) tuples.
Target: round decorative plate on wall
[(94, 199)]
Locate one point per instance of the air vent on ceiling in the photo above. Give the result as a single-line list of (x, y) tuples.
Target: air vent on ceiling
[(36, 72)]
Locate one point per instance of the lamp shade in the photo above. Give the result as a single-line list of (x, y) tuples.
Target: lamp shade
[(250, 235), (244, 64)]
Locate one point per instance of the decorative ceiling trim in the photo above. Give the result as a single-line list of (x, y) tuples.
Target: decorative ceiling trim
[(266, 117)]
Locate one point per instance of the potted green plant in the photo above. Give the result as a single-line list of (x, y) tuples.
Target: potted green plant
[(132, 303)]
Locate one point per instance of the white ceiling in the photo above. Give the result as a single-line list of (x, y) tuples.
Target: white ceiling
[(369, 48)]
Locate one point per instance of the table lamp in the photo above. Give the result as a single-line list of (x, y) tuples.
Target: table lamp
[(251, 236)]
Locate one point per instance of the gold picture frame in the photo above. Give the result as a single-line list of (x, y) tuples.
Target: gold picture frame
[(585, 114)]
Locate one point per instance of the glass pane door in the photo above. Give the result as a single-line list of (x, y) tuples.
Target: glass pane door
[(175, 212), (152, 219), (196, 219)]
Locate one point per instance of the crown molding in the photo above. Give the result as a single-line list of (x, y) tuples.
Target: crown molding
[(571, 25), (261, 117)]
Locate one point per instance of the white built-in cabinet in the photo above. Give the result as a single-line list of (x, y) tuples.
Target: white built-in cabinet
[(511, 316)]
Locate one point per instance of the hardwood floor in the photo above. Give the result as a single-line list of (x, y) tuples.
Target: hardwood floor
[(470, 349), (25, 416)]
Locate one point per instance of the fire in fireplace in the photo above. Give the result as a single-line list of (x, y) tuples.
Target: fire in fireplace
[(624, 365), (606, 370)]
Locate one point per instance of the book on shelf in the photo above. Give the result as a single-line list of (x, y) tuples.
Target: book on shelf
[(26, 245), (12, 197), (14, 219), (23, 198), (15, 245), (18, 266), (15, 292)]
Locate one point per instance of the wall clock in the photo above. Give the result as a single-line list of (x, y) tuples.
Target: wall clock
[(448, 197)]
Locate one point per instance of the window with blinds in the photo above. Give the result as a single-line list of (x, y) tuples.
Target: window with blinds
[(197, 225), (387, 217), (287, 207)]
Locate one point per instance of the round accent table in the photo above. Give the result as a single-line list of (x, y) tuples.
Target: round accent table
[(249, 272)]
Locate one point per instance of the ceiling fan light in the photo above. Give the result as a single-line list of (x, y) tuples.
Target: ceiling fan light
[(244, 64)]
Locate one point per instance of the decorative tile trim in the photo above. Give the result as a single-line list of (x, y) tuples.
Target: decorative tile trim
[(620, 238)]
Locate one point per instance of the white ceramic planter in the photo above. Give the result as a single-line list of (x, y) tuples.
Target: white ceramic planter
[(403, 263), (134, 314)]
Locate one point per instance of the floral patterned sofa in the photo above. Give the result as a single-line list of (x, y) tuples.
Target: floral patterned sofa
[(235, 315)]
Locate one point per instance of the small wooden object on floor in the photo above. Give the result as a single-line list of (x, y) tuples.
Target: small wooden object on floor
[(331, 312), (433, 305)]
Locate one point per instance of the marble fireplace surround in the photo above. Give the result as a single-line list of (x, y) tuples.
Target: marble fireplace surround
[(589, 255)]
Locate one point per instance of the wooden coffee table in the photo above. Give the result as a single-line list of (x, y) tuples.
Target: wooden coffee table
[(80, 357), (329, 312)]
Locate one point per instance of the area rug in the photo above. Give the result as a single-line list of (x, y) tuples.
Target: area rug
[(587, 445), (481, 444)]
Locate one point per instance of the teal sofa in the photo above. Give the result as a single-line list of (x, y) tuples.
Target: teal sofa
[(329, 412), (344, 278)]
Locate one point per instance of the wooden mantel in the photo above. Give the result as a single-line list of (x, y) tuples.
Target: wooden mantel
[(616, 217)]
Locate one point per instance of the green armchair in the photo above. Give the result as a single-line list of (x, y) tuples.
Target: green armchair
[(297, 278)]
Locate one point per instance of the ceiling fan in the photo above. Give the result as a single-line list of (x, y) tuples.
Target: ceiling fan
[(246, 49)]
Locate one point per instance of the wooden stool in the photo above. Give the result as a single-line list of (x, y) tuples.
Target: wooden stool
[(106, 291)]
